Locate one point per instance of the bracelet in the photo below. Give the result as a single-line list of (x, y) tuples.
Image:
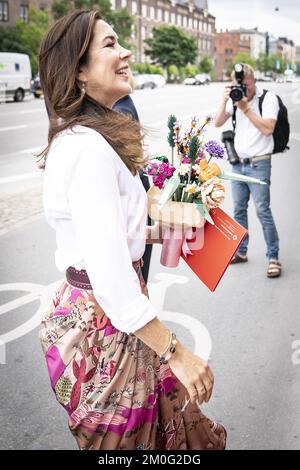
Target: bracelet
[(168, 344), (246, 110), (166, 356)]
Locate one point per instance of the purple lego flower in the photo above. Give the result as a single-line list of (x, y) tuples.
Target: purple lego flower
[(214, 149)]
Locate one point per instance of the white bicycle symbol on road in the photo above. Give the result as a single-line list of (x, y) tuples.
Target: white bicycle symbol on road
[(157, 291)]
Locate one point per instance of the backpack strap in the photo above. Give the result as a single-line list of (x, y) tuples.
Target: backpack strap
[(234, 118), (261, 99)]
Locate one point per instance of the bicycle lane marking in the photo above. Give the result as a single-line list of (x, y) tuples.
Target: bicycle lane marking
[(36, 292), (198, 331)]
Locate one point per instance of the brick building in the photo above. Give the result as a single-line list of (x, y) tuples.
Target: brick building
[(227, 46), (190, 15), (287, 49), (11, 10)]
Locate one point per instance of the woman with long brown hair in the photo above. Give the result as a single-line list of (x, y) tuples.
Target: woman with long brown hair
[(122, 376)]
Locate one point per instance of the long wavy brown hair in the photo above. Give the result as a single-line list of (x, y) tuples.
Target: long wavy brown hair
[(63, 51)]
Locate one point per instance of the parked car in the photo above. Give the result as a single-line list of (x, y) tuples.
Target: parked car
[(36, 87), (265, 78), (293, 79), (15, 75), (158, 79), (203, 79), (189, 81), (148, 80), (281, 79)]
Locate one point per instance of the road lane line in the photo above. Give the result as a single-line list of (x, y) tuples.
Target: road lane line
[(25, 151), (33, 150), (151, 124), (29, 111), (24, 176), (44, 294), (13, 128)]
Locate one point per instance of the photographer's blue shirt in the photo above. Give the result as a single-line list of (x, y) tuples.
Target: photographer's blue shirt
[(249, 141)]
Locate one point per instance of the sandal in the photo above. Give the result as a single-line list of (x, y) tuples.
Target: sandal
[(274, 268), (239, 258)]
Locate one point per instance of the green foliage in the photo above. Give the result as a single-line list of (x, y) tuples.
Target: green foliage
[(171, 46), (171, 122), (120, 20), (229, 68), (213, 75), (10, 40), (60, 8), (31, 33), (273, 59), (194, 149), (147, 68), (173, 73), (122, 23), (264, 63), (190, 70), (243, 57), (182, 73), (206, 64)]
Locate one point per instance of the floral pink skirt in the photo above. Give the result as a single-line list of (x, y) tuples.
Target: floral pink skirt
[(116, 392)]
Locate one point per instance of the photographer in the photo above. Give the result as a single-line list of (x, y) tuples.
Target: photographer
[(250, 154)]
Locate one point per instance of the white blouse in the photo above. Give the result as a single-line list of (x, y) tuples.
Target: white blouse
[(99, 211)]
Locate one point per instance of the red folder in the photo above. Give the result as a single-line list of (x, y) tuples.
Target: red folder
[(221, 241)]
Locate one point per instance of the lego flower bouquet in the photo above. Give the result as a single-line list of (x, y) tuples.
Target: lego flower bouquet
[(182, 197)]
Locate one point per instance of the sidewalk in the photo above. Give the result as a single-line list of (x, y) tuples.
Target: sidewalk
[(20, 208)]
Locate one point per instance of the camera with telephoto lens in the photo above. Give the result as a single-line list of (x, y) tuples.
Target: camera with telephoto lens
[(238, 91), (228, 141)]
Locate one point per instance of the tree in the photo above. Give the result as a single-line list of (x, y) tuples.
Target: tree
[(190, 70), (10, 40), (275, 60), (173, 73), (264, 63), (229, 68), (206, 64), (30, 34), (60, 8), (171, 46), (147, 68), (120, 20), (243, 57)]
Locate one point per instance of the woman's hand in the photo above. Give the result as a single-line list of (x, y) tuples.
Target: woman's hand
[(193, 372)]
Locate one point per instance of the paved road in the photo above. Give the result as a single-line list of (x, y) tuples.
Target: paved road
[(250, 326)]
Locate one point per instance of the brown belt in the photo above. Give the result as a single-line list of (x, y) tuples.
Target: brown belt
[(80, 279)]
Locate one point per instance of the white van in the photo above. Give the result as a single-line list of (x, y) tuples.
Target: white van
[(15, 76)]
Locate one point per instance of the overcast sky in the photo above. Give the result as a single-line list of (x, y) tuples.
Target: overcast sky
[(251, 13)]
